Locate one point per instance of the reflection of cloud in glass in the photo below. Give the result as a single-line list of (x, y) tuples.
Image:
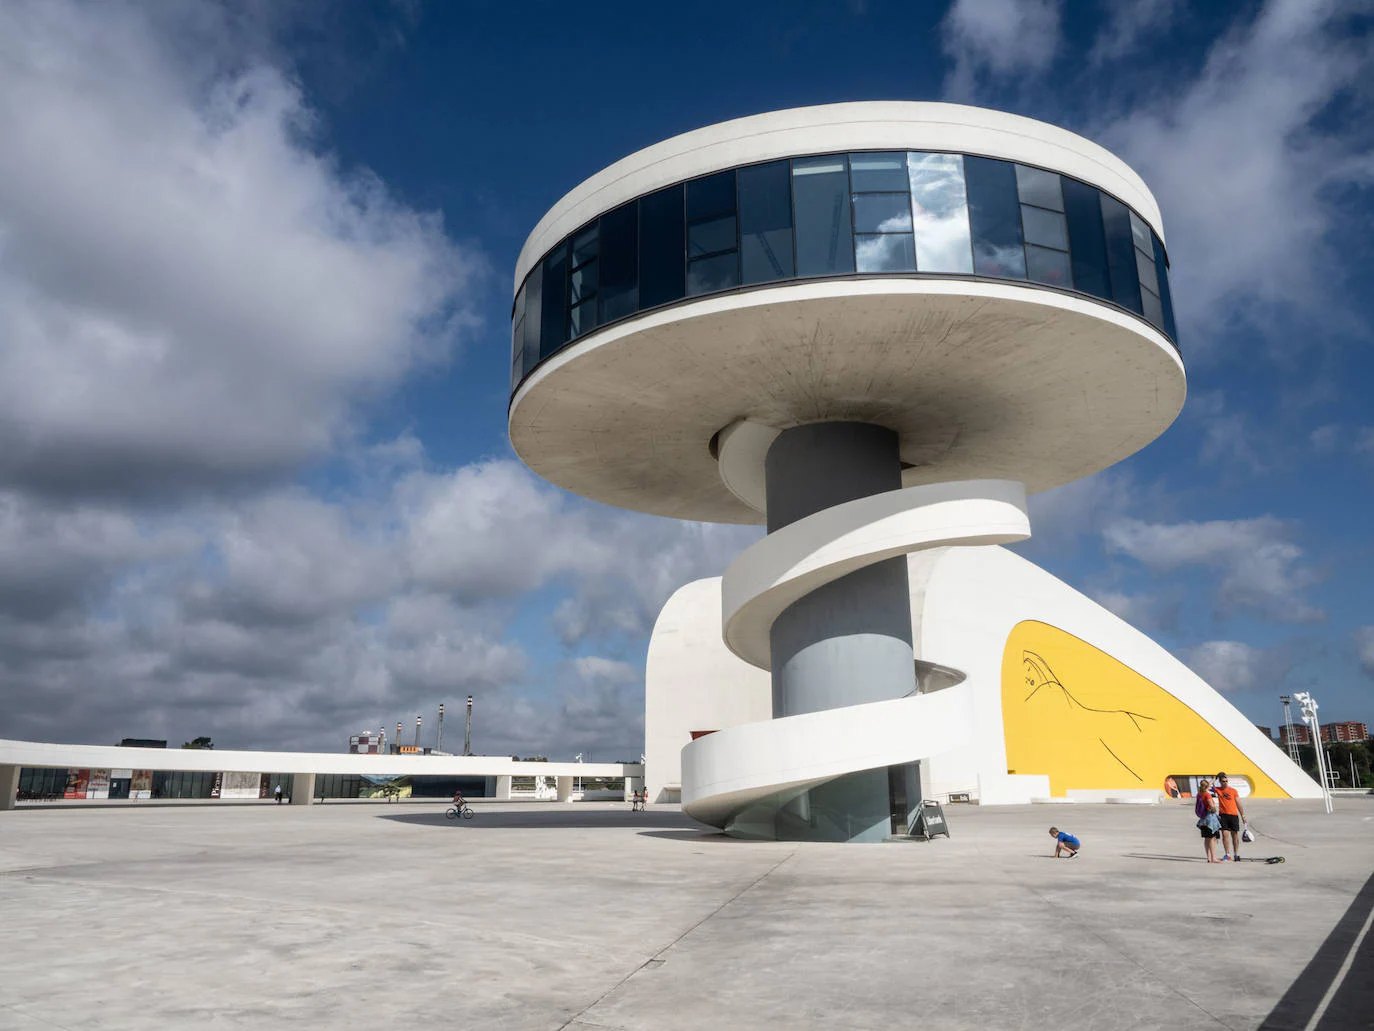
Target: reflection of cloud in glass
[(889, 253), (940, 205), (895, 224), (1006, 261)]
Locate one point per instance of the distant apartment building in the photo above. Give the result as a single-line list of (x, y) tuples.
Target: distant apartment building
[(1266, 731), (1346, 730), (1300, 734)]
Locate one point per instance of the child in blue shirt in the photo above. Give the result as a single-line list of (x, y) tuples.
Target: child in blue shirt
[(1064, 842)]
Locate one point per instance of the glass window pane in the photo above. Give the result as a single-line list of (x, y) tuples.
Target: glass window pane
[(1045, 228), (1154, 311), (555, 292), (584, 246), (519, 312), (619, 293), (1145, 270), (1087, 243), (765, 222), (517, 353), (940, 210), (714, 195), (662, 248), (820, 198), (706, 275), (1046, 266), (1038, 187), (885, 252), (1116, 222), (1141, 235), (582, 283), (882, 212), (581, 318), (1165, 300), (876, 173), (534, 307), (709, 237), (995, 218)]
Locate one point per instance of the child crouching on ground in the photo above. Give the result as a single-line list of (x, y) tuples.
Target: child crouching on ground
[(1064, 842)]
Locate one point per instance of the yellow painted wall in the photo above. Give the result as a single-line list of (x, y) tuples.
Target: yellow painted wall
[(1092, 723)]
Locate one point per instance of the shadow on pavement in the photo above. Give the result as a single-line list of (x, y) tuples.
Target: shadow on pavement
[(545, 819), (699, 834), (1336, 989), (1170, 859)]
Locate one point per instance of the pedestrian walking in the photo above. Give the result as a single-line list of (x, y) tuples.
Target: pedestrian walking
[(1230, 814), (1205, 808), (276, 793)]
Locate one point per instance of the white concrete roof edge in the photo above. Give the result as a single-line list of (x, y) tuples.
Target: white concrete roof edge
[(213, 760)]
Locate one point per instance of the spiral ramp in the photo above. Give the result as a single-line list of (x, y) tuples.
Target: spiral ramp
[(734, 776)]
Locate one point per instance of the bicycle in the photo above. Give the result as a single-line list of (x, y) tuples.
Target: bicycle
[(453, 812)]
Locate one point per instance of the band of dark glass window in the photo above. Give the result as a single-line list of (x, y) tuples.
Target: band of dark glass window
[(830, 215)]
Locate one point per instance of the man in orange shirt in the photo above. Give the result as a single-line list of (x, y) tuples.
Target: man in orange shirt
[(1231, 813)]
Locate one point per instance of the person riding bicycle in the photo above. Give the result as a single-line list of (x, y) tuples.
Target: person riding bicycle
[(458, 800)]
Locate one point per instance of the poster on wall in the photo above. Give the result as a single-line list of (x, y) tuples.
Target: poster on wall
[(141, 785), (216, 786), (265, 786), (99, 784), (76, 783), (240, 785)]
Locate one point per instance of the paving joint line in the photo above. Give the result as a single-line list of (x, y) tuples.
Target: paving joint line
[(1137, 964), (576, 1017), (41, 1020)]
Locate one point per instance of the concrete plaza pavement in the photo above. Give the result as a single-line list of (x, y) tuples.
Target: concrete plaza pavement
[(586, 917)]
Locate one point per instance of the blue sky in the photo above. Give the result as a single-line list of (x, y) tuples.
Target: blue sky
[(255, 275)]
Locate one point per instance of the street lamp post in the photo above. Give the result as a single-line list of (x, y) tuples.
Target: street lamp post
[(1308, 706)]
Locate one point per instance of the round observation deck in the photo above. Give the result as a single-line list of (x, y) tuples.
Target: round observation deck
[(991, 288)]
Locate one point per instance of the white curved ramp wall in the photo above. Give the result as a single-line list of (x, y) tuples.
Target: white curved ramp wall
[(965, 604), (693, 683)]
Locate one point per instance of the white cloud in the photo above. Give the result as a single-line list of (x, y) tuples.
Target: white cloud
[(997, 39), (1229, 666), (1245, 173), (1325, 438), (1364, 646), (1261, 569), (191, 292), (1364, 440), (1129, 24)]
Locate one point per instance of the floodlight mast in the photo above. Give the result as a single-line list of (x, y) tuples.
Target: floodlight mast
[(1308, 706), (1290, 732)]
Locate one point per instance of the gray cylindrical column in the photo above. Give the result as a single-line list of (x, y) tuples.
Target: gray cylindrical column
[(847, 642)]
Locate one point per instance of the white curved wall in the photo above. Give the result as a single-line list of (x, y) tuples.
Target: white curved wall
[(692, 682), (965, 602)]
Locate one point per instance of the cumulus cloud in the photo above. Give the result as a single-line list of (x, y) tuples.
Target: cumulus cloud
[(1364, 646), (283, 619), (1324, 439), (996, 40), (1130, 24), (192, 293), (1261, 569), (1230, 666), (1228, 438), (1246, 171)]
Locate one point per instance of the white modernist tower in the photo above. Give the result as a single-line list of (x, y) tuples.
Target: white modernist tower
[(873, 328)]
